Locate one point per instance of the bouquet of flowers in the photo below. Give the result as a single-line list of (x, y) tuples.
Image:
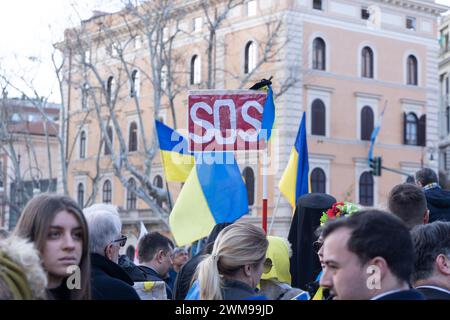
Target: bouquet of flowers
[(339, 209)]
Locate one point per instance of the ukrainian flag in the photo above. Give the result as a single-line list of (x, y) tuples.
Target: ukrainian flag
[(213, 193), (295, 179), (176, 159), (268, 117)]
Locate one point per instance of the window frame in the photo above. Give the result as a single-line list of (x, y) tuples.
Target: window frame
[(324, 182), (367, 63), (80, 194), (313, 124), (412, 78), (318, 3), (319, 55), (250, 57), (366, 184), (82, 144), (363, 131), (131, 196), (135, 84), (107, 192), (107, 151), (133, 137), (195, 70), (408, 125)]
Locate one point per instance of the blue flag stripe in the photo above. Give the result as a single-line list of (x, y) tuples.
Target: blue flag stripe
[(224, 190), (301, 186), (170, 140)]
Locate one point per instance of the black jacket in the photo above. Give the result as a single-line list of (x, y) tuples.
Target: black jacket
[(438, 202), (148, 274), (305, 265), (109, 281), (185, 276), (410, 294), (433, 294)]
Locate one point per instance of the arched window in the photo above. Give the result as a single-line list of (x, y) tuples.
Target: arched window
[(195, 70), (80, 195), (250, 57), (367, 123), (318, 181), (318, 119), (84, 96), (158, 181), (410, 129), (107, 192), (135, 84), (109, 131), (131, 195), (367, 63), (130, 252), (319, 54), (249, 178), (412, 71), (109, 90), (132, 137), (366, 189), (83, 144)]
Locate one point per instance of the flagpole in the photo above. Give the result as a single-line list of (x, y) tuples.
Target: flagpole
[(169, 198), (274, 213), (265, 193)]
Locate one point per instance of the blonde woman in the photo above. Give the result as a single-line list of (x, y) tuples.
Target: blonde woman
[(233, 269)]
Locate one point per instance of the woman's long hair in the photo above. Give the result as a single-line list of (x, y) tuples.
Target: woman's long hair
[(237, 245), (34, 224)]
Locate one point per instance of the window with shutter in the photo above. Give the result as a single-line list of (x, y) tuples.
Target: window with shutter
[(422, 132)]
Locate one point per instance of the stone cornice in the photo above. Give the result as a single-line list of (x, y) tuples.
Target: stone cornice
[(419, 5)]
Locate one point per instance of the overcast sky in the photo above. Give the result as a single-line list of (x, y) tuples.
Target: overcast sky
[(29, 27)]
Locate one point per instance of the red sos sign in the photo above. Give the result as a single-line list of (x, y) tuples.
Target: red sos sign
[(221, 120)]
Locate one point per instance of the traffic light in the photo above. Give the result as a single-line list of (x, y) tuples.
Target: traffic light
[(375, 165)]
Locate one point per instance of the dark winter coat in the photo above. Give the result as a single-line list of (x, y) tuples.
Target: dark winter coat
[(109, 281), (438, 202)]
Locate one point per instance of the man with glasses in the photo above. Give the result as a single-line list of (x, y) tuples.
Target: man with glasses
[(155, 256), (108, 280)]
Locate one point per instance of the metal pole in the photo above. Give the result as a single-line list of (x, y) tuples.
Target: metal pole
[(265, 196), (274, 213), (396, 171)]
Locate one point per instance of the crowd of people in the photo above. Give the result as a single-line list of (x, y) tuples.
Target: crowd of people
[(335, 250)]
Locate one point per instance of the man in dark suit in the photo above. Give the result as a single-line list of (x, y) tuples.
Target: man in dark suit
[(368, 256), (438, 200), (431, 274), (155, 258)]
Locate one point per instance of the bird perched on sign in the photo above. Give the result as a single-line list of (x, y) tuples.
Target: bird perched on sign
[(261, 84)]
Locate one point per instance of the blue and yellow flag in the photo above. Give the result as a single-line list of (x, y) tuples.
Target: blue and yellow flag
[(295, 179), (213, 193), (176, 159), (268, 117)]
